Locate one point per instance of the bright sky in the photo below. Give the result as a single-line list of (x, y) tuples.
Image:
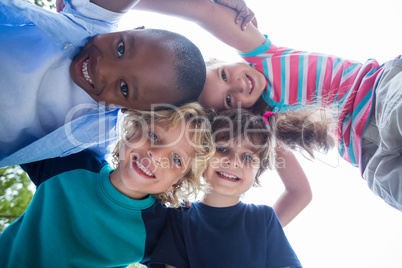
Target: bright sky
[(345, 225)]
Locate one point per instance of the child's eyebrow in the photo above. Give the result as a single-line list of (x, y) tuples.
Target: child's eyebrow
[(217, 72), (134, 87), (253, 148), (134, 91), (183, 153)]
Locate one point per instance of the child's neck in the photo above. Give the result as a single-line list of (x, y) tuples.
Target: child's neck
[(214, 199), (115, 180)]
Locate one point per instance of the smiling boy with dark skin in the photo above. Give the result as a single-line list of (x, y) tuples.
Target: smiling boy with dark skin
[(52, 76), (132, 69)]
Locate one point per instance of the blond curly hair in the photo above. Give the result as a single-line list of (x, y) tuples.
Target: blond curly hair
[(201, 140)]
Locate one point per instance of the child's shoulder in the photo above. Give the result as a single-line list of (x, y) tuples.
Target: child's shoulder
[(88, 159), (257, 207), (41, 171), (90, 10), (261, 210)]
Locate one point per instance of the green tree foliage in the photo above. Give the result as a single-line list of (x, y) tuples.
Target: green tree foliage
[(48, 4), (15, 195)]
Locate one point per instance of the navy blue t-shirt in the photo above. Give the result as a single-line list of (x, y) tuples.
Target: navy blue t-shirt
[(244, 235)]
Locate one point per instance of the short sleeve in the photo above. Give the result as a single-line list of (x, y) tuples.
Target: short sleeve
[(259, 50), (280, 252), (41, 171), (171, 249), (92, 11)]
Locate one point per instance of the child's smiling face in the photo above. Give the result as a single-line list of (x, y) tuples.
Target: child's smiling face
[(228, 85), (233, 169), (131, 69), (154, 160)]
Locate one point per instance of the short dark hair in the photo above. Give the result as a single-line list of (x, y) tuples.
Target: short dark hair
[(189, 66)]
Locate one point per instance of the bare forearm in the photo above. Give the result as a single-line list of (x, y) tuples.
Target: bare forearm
[(115, 5), (297, 194), (215, 18), (289, 205), (186, 9)]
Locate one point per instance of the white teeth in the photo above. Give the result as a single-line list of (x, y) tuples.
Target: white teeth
[(228, 176), (143, 169), (250, 85), (85, 72)]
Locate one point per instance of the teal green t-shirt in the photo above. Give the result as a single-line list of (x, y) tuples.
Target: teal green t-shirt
[(78, 219)]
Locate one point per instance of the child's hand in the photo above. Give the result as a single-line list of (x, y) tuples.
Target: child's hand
[(187, 203), (244, 14), (59, 5)]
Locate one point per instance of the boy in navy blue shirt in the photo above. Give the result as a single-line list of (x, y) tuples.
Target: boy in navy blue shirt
[(221, 231)]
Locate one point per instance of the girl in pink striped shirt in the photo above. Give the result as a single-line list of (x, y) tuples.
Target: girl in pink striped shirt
[(277, 78)]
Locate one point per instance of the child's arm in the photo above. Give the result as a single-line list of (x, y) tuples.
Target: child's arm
[(297, 194), (244, 15), (213, 17), (115, 5)]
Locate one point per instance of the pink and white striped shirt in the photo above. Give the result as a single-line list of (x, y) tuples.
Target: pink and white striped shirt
[(297, 78)]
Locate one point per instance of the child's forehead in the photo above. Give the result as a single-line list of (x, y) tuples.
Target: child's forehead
[(146, 33), (240, 142), (173, 135), (165, 124), (176, 128)]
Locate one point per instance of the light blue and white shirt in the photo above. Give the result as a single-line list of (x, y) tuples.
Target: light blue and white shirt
[(44, 113)]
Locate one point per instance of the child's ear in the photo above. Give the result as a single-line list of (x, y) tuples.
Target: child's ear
[(256, 181), (212, 61), (125, 110), (177, 184)]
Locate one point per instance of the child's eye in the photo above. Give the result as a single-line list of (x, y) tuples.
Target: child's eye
[(221, 149), (177, 160), (153, 136), (247, 157), (223, 75), (228, 100), (124, 88), (120, 49)]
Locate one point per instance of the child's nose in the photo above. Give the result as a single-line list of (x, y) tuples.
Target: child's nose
[(236, 163), (232, 160), (238, 86), (100, 69), (105, 68), (155, 154)]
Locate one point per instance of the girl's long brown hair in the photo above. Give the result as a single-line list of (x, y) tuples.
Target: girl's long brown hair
[(310, 127), (307, 128)]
